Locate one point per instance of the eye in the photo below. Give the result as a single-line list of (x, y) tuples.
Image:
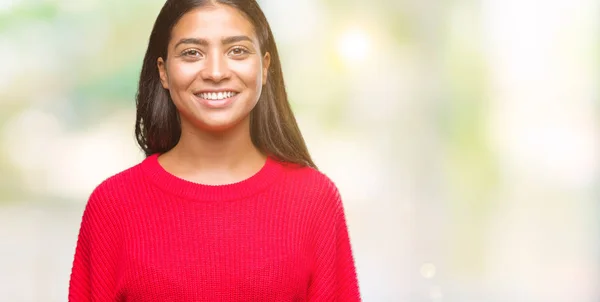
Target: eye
[(238, 51), (193, 53)]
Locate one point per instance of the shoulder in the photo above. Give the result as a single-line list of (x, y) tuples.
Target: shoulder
[(314, 183), (309, 176), (113, 190), (119, 181)]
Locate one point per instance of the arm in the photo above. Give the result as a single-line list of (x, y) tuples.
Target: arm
[(334, 273), (93, 276)]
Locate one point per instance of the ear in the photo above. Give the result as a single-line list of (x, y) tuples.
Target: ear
[(162, 71), (266, 62)]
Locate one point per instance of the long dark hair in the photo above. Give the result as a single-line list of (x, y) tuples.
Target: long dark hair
[(273, 127)]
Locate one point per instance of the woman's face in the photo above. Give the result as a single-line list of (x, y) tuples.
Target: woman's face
[(214, 71)]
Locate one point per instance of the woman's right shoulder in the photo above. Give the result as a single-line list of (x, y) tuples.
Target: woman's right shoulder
[(118, 186)]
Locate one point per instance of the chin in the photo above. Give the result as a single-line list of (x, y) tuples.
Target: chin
[(220, 125)]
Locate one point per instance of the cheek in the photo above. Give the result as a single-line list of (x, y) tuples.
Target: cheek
[(182, 76), (249, 72)]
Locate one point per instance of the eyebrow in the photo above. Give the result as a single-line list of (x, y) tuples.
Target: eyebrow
[(203, 42)]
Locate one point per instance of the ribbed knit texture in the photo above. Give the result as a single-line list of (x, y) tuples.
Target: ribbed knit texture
[(280, 235)]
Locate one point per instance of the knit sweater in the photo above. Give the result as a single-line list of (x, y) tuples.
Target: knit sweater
[(279, 235)]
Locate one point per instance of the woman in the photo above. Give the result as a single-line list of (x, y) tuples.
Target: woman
[(227, 205)]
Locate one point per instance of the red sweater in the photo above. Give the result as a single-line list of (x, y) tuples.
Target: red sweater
[(279, 235)]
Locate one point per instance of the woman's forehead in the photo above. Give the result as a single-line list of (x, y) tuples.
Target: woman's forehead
[(213, 23)]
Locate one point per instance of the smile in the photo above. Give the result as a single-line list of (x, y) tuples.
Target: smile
[(216, 95)]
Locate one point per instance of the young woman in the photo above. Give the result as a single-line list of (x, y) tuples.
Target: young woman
[(227, 205)]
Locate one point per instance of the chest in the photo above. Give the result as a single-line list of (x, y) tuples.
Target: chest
[(204, 253)]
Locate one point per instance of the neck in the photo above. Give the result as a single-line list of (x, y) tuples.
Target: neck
[(216, 149), (210, 157)]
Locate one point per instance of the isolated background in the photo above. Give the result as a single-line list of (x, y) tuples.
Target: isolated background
[(463, 135)]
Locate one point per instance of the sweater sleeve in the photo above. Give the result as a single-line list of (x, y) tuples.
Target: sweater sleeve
[(93, 275), (334, 272)]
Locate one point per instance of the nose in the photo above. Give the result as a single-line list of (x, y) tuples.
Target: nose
[(215, 69)]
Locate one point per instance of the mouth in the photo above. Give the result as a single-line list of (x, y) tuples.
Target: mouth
[(216, 99), (216, 96)]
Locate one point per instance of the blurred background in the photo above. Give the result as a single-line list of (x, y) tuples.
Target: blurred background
[(463, 135)]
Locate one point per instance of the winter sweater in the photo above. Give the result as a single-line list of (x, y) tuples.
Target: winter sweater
[(279, 235)]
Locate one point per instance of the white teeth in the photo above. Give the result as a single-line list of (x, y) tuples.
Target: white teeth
[(217, 95)]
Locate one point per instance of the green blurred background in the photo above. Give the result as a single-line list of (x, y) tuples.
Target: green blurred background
[(463, 136)]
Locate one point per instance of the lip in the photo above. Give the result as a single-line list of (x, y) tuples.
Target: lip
[(216, 90), (216, 104)]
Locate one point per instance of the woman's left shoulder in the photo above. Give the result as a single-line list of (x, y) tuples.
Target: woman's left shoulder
[(312, 180)]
